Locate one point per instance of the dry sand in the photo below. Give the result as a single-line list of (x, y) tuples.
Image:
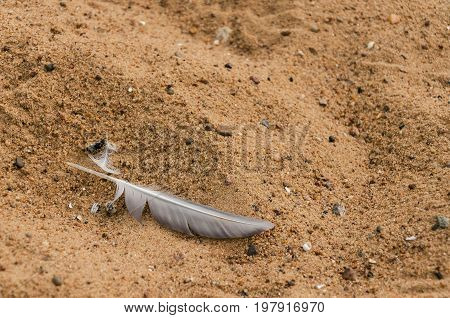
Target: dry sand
[(386, 107)]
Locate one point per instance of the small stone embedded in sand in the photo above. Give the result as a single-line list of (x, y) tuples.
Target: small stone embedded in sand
[(170, 90), (319, 286), (143, 23), (394, 18), (251, 250), (224, 131), (438, 274), (265, 123), (307, 246), (312, 50), (348, 274), (130, 89), (56, 280), (323, 102), (222, 35), (19, 163), (314, 28), (290, 283), (331, 139), (410, 238), (255, 80), (50, 67), (70, 205), (411, 186), (441, 223), (370, 45), (110, 208), (228, 66), (338, 209), (98, 77), (285, 33)]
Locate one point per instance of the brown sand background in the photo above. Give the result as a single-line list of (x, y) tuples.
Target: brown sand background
[(387, 108)]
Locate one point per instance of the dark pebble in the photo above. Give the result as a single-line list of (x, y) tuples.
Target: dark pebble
[(438, 275), (208, 127), (228, 66), (170, 90), (224, 131), (427, 23), (19, 163), (348, 274), (50, 67), (331, 139), (379, 229), (265, 123), (189, 141), (285, 33), (291, 79), (290, 283), (98, 78), (110, 208), (441, 223), (360, 90), (312, 50), (411, 186), (96, 146), (57, 281), (2, 268), (251, 250), (255, 80), (338, 209)]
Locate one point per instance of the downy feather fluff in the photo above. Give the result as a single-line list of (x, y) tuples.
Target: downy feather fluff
[(182, 215), (101, 158)]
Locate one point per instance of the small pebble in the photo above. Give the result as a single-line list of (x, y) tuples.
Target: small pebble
[(285, 33), (254, 79), (394, 18), (70, 205), (411, 186), (319, 286), (189, 141), (438, 275), (307, 246), (312, 50), (222, 35), (348, 274), (331, 139), (372, 261), (314, 28), (143, 23), (323, 102), (224, 131), (57, 281), (130, 89), (96, 146), (290, 283), (49, 67), (78, 218), (379, 229), (228, 66), (251, 250), (265, 123), (371, 45), (19, 163), (170, 90), (441, 223), (338, 209), (110, 208), (411, 238), (98, 77)]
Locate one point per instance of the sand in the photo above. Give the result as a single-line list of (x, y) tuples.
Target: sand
[(253, 139)]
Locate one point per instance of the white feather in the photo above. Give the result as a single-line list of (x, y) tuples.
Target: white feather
[(182, 215), (102, 158)]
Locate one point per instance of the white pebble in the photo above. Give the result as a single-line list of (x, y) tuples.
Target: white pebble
[(70, 205), (319, 286), (307, 246), (370, 45), (142, 23), (287, 190), (130, 89), (411, 238)]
